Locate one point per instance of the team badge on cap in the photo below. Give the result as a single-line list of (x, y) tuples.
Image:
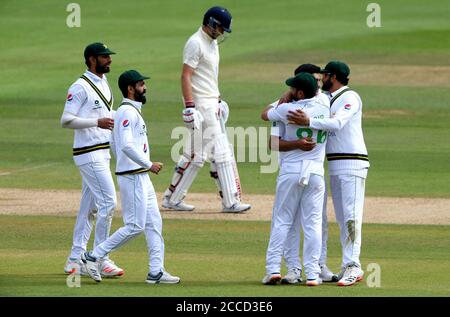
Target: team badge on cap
[(126, 123), (347, 106)]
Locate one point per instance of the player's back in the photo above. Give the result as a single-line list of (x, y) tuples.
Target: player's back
[(314, 108)]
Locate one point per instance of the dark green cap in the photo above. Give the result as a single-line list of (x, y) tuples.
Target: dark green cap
[(96, 49), (304, 82), (337, 68), (130, 77)]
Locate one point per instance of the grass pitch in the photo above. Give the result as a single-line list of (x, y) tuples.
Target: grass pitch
[(400, 70), (406, 114), (217, 259)]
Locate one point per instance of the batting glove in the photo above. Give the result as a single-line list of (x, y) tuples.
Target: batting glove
[(192, 118)]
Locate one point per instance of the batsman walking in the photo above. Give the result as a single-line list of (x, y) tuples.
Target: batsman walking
[(202, 115)]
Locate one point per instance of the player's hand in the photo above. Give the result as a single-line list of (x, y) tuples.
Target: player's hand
[(156, 167), (298, 117), (285, 98), (306, 144), (192, 118), (105, 123)]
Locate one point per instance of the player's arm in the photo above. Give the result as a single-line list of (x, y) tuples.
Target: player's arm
[(186, 85), (272, 113), (128, 146), (335, 123), (278, 144)]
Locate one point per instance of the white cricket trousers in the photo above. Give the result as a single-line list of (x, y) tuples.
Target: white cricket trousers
[(295, 204), (98, 196), (348, 200), (140, 214)]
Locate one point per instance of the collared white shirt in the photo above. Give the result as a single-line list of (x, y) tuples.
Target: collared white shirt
[(82, 101), (345, 132), (314, 107), (130, 142), (201, 53)]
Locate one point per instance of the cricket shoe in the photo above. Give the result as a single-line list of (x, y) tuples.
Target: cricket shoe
[(237, 208), (162, 277), (326, 275), (180, 206), (314, 281), (352, 274), (91, 266), (293, 276), (74, 265), (271, 279), (109, 269)]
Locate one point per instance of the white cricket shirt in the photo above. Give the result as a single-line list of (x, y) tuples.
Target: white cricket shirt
[(129, 139), (346, 149), (314, 107), (201, 53), (90, 144)]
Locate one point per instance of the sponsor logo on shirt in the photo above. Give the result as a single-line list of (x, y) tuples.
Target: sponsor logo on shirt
[(69, 97), (126, 123), (347, 106)]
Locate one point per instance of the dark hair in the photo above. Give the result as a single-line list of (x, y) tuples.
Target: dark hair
[(87, 62), (309, 93), (124, 89), (307, 68), (342, 80)]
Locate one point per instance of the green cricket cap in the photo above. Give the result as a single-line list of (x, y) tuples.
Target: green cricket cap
[(305, 82), (337, 68), (130, 77), (96, 49)]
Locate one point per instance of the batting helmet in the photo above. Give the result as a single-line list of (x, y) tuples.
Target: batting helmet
[(218, 16)]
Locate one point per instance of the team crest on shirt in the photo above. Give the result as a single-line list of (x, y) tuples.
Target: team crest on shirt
[(145, 148), (347, 106), (69, 97), (126, 123)]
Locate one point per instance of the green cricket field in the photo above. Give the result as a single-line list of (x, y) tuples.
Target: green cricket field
[(399, 67)]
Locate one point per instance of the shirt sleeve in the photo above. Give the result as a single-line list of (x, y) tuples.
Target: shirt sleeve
[(71, 121), (340, 118), (76, 96), (128, 146), (192, 54), (278, 113)]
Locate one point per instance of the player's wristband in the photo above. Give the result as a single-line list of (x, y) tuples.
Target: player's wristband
[(189, 104)]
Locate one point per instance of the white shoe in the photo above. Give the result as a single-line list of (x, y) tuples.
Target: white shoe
[(352, 274), (314, 282), (271, 279), (74, 265), (91, 266), (109, 269), (181, 206), (293, 276), (326, 275), (237, 208), (162, 278)]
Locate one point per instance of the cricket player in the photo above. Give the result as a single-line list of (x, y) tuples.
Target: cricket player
[(88, 111), (139, 203), (202, 116), (348, 164), (300, 185), (291, 252)]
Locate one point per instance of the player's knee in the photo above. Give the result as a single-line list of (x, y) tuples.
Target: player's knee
[(135, 229)]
